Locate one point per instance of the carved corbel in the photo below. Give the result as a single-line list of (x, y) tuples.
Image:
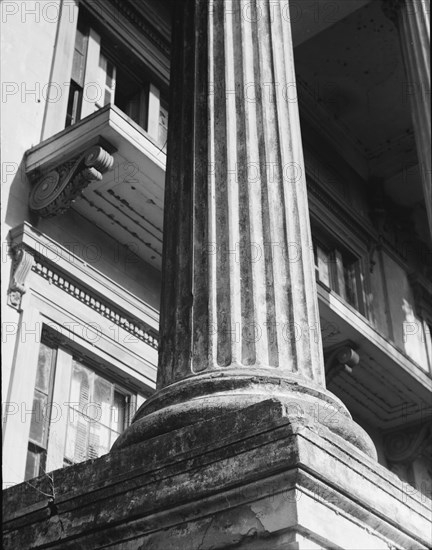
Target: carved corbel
[(342, 359), (56, 190), (406, 445), (404, 448), (22, 262)]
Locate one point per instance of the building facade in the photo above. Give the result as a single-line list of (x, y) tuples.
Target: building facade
[(85, 108)]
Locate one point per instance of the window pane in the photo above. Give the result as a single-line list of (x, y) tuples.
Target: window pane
[(39, 419), (79, 56), (32, 465), (99, 440), (351, 285), (78, 68), (44, 368), (98, 408), (118, 412), (74, 104), (77, 436), (107, 75), (80, 393), (36, 462), (103, 397), (163, 127), (323, 261)]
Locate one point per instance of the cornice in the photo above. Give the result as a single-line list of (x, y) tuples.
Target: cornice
[(144, 25), (78, 279), (134, 326)]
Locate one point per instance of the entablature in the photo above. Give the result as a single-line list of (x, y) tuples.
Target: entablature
[(72, 275)]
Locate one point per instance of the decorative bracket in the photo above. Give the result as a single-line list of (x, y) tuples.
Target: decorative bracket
[(407, 445), (343, 358), (404, 448), (22, 262), (56, 190)]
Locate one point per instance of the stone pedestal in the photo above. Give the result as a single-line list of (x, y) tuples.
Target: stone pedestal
[(239, 315), (263, 478)]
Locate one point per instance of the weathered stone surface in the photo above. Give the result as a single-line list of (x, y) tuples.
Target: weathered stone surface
[(260, 478), (238, 266), (239, 315)]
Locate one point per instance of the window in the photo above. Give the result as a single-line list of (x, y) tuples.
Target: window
[(39, 426), (104, 73), (94, 411), (340, 271), (96, 415)]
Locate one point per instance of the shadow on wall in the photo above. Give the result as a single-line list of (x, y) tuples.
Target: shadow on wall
[(17, 210)]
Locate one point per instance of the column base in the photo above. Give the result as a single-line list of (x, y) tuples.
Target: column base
[(209, 395), (251, 479)]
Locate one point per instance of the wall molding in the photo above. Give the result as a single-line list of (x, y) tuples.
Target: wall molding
[(134, 326), (78, 279), (22, 263)]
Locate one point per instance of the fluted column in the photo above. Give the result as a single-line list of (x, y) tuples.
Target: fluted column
[(239, 315), (237, 221), (412, 18)]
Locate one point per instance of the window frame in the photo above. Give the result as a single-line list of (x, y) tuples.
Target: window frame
[(342, 257), (152, 92), (41, 416), (53, 452)]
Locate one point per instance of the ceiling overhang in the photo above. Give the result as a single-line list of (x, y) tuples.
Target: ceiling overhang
[(386, 389)]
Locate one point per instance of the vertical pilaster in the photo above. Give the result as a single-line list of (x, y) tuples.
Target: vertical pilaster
[(412, 18)]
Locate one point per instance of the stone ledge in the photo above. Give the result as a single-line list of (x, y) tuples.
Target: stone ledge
[(263, 465)]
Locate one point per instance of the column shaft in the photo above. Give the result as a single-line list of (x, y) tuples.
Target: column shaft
[(237, 215), (239, 316)]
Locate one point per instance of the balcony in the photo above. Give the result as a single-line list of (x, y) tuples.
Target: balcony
[(125, 199), (401, 387)]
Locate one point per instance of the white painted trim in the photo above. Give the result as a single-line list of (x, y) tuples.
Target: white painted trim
[(109, 123), (16, 426), (129, 359), (153, 112), (59, 416), (81, 271), (56, 107), (93, 89)]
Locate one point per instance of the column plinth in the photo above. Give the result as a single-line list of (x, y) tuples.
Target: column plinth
[(239, 315)]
